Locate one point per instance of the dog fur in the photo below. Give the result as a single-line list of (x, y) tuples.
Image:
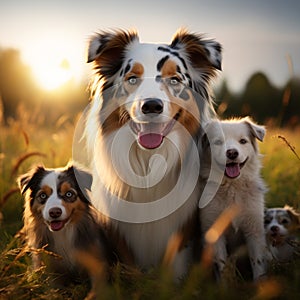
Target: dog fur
[(235, 160), (150, 100), (59, 219), (282, 227)]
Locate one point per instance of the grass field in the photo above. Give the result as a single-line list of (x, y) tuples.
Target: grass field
[(23, 144)]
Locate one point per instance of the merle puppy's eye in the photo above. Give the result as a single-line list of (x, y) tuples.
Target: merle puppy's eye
[(284, 221), (243, 141), (132, 80), (69, 194), (267, 221), (42, 197)]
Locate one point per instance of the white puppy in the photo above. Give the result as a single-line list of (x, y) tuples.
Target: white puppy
[(282, 226), (230, 172)]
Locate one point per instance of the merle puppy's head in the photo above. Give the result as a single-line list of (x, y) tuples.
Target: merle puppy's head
[(58, 196)]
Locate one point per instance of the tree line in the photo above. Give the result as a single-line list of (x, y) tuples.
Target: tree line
[(19, 92), (261, 100)]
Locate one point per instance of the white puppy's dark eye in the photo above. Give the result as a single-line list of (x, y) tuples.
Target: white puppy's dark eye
[(218, 142), (243, 141), (132, 80)]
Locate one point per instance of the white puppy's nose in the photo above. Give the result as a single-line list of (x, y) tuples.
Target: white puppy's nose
[(232, 153)]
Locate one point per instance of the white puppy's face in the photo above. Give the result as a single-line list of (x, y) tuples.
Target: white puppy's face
[(233, 144)]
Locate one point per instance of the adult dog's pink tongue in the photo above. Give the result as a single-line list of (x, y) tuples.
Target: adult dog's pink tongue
[(150, 140), (232, 170), (56, 225)]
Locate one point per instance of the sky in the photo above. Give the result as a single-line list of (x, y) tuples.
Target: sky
[(256, 35)]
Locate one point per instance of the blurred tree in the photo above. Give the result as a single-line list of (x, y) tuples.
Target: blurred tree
[(227, 104), (262, 101), (290, 103), (16, 82), (260, 98)]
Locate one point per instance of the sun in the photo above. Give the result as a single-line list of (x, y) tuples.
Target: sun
[(54, 62), (52, 74)]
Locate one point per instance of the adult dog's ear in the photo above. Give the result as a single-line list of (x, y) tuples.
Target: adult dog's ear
[(108, 46), (203, 54), (107, 50)]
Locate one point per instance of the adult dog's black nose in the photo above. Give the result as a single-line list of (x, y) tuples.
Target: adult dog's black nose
[(232, 153), (152, 106), (55, 212)]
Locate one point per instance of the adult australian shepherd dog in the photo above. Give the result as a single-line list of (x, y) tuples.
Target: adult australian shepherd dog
[(149, 103)]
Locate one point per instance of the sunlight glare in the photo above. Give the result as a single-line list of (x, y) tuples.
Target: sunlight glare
[(52, 75), (53, 62)]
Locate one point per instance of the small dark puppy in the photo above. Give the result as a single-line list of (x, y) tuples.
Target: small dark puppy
[(59, 218), (281, 227)]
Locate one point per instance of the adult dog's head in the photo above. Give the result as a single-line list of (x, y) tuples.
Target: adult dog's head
[(153, 89)]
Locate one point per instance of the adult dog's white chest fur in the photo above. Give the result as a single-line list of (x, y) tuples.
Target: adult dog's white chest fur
[(160, 196)]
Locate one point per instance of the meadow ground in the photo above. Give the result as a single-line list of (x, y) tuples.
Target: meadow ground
[(23, 144)]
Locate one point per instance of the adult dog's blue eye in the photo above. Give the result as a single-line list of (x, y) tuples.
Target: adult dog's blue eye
[(174, 81), (132, 80)]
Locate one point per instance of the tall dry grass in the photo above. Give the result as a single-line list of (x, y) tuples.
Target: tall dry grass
[(24, 143)]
